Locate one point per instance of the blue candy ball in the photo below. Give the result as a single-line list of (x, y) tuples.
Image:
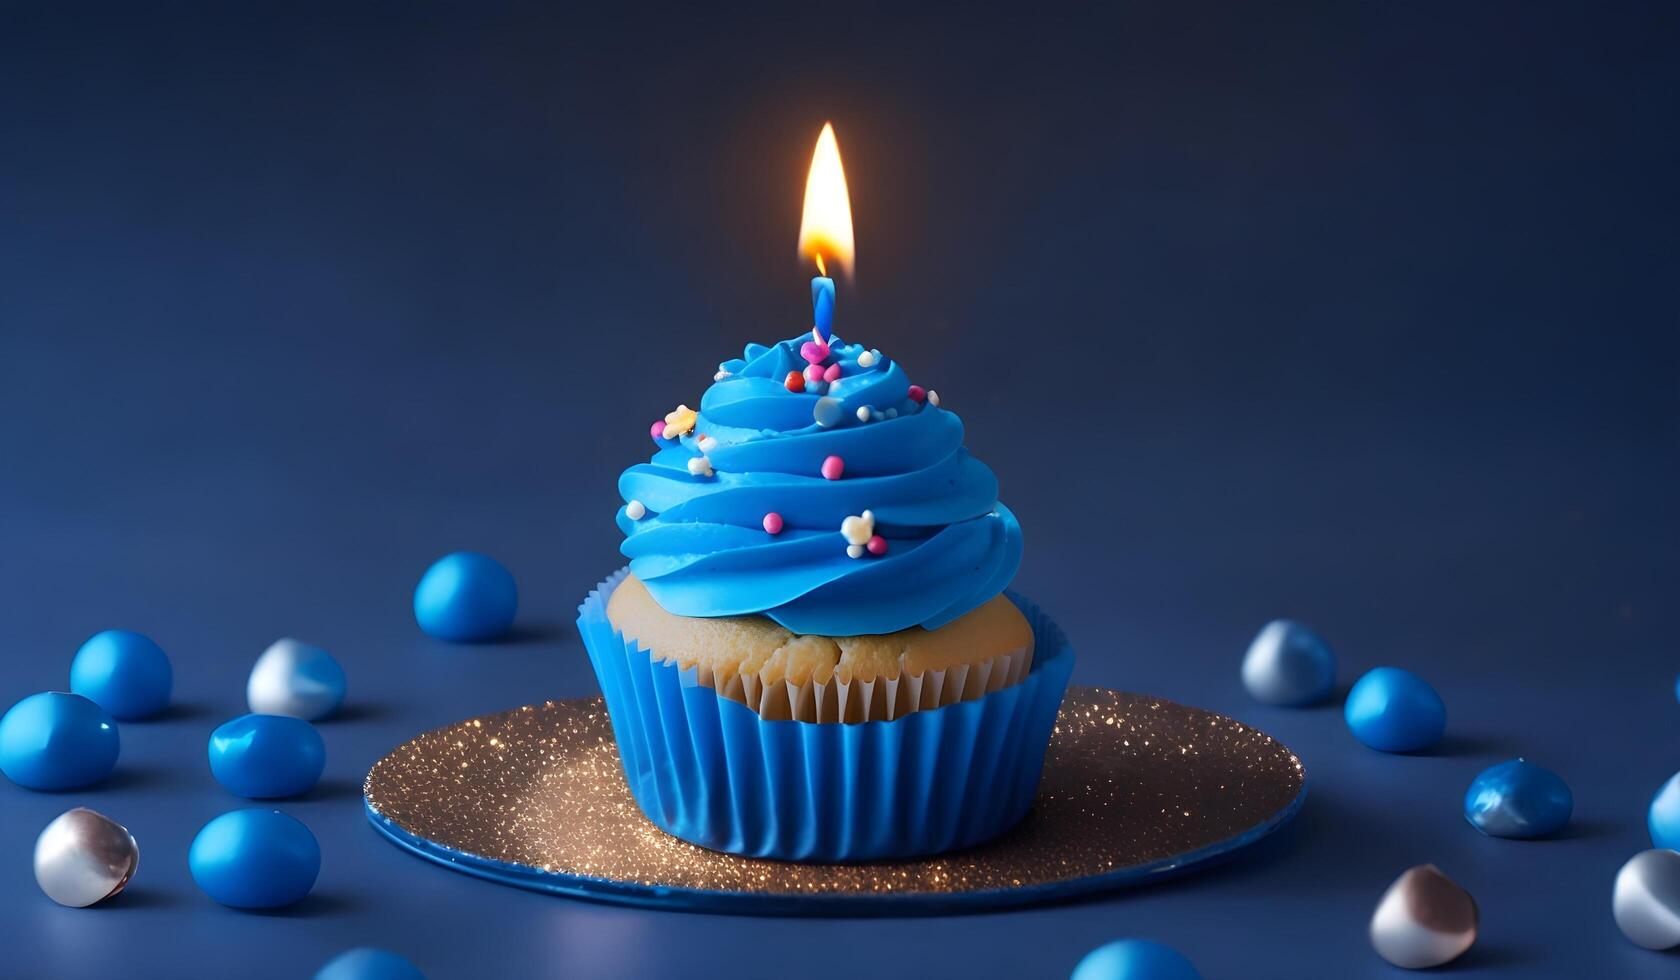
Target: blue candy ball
[(1134, 959), (1394, 710), (1289, 665), (1663, 818), (267, 756), (123, 672), (1518, 799), (466, 597), (55, 740), (367, 963), (255, 859)]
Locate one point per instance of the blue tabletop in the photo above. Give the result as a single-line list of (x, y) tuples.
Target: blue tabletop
[(1361, 315)]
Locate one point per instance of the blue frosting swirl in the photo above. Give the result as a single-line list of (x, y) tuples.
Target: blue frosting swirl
[(701, 547)]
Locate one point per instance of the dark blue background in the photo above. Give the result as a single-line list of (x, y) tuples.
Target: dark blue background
[(1360, 313)]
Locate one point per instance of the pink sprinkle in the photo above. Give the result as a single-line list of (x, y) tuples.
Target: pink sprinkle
[(832, 467), (833, 373), (918, 394), (877, 545), (814, 351), (657, 430), (773, 523), (814, 373)]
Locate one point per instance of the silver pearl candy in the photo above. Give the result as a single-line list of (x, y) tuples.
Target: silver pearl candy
[(84, 857), (295, 679), (1646, 899), (1423, 920)]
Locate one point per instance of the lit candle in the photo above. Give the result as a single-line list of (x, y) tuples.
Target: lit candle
[(825, 230)]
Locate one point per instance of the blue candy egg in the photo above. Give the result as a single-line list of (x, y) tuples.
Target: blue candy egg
[(267, 756), (255, 859), (1134, 959), (55, 740), (1394, 710), (1663, 818), (466, 597), (1518, 799), (367, 963), (123, 672), (1289, 665)]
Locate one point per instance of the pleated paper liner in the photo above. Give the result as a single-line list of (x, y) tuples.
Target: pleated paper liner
[(710, 770)]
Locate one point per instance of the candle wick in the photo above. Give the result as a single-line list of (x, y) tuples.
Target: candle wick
[(821, 268)]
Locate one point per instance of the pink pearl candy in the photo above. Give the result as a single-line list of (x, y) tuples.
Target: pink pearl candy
[(773, 523), (877, 545), (832, 467), (832, 374), (657, 429), (814, 373), (814, 351), (918, 394)]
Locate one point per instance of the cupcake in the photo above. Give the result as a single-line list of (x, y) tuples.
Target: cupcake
[(812, 655)]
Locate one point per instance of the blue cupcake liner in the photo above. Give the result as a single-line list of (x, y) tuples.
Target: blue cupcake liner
[(713, 772)]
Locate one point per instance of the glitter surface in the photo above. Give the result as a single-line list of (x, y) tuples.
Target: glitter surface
[(1134, 788)]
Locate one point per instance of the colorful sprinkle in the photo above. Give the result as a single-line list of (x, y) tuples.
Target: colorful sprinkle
[(918, 394), (877, 545), (700, 466), (832, 467), (813, 374), (833, 373), (795, 381), (933, 398), (680, 422), (858, 530), (863, 413), (657, 429), (706, 444), (773, 523), (854, 551), (827, 412), (814, 351), (866, 359), (635, 510)]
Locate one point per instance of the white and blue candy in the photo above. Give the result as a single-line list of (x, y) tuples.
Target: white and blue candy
[(1288, 665), (1518, 799), (295, 679), (255, 859), (368, 963), (123, 672), (1663, 817), (55, 741), (1394, 710), (267, 756), (466, 597), (1134, 959)]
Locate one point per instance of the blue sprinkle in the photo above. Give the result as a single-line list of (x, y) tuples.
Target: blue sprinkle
[(1394, 710), (466, 597), (1518, 799), (1134, 959)]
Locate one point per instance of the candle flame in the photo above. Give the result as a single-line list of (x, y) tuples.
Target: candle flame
[(825, 230)]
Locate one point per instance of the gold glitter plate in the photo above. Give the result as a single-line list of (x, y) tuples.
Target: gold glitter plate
[(1135, 789)]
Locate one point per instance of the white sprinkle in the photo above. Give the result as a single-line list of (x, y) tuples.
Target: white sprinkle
[(827, 412), (891, 413), (933, 398), (854, 550), (869, 516), (700, 466), (858, 530), (720, 375), (866, 359), (816, 335), (635, 510), (707, 444), (863, 413)]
